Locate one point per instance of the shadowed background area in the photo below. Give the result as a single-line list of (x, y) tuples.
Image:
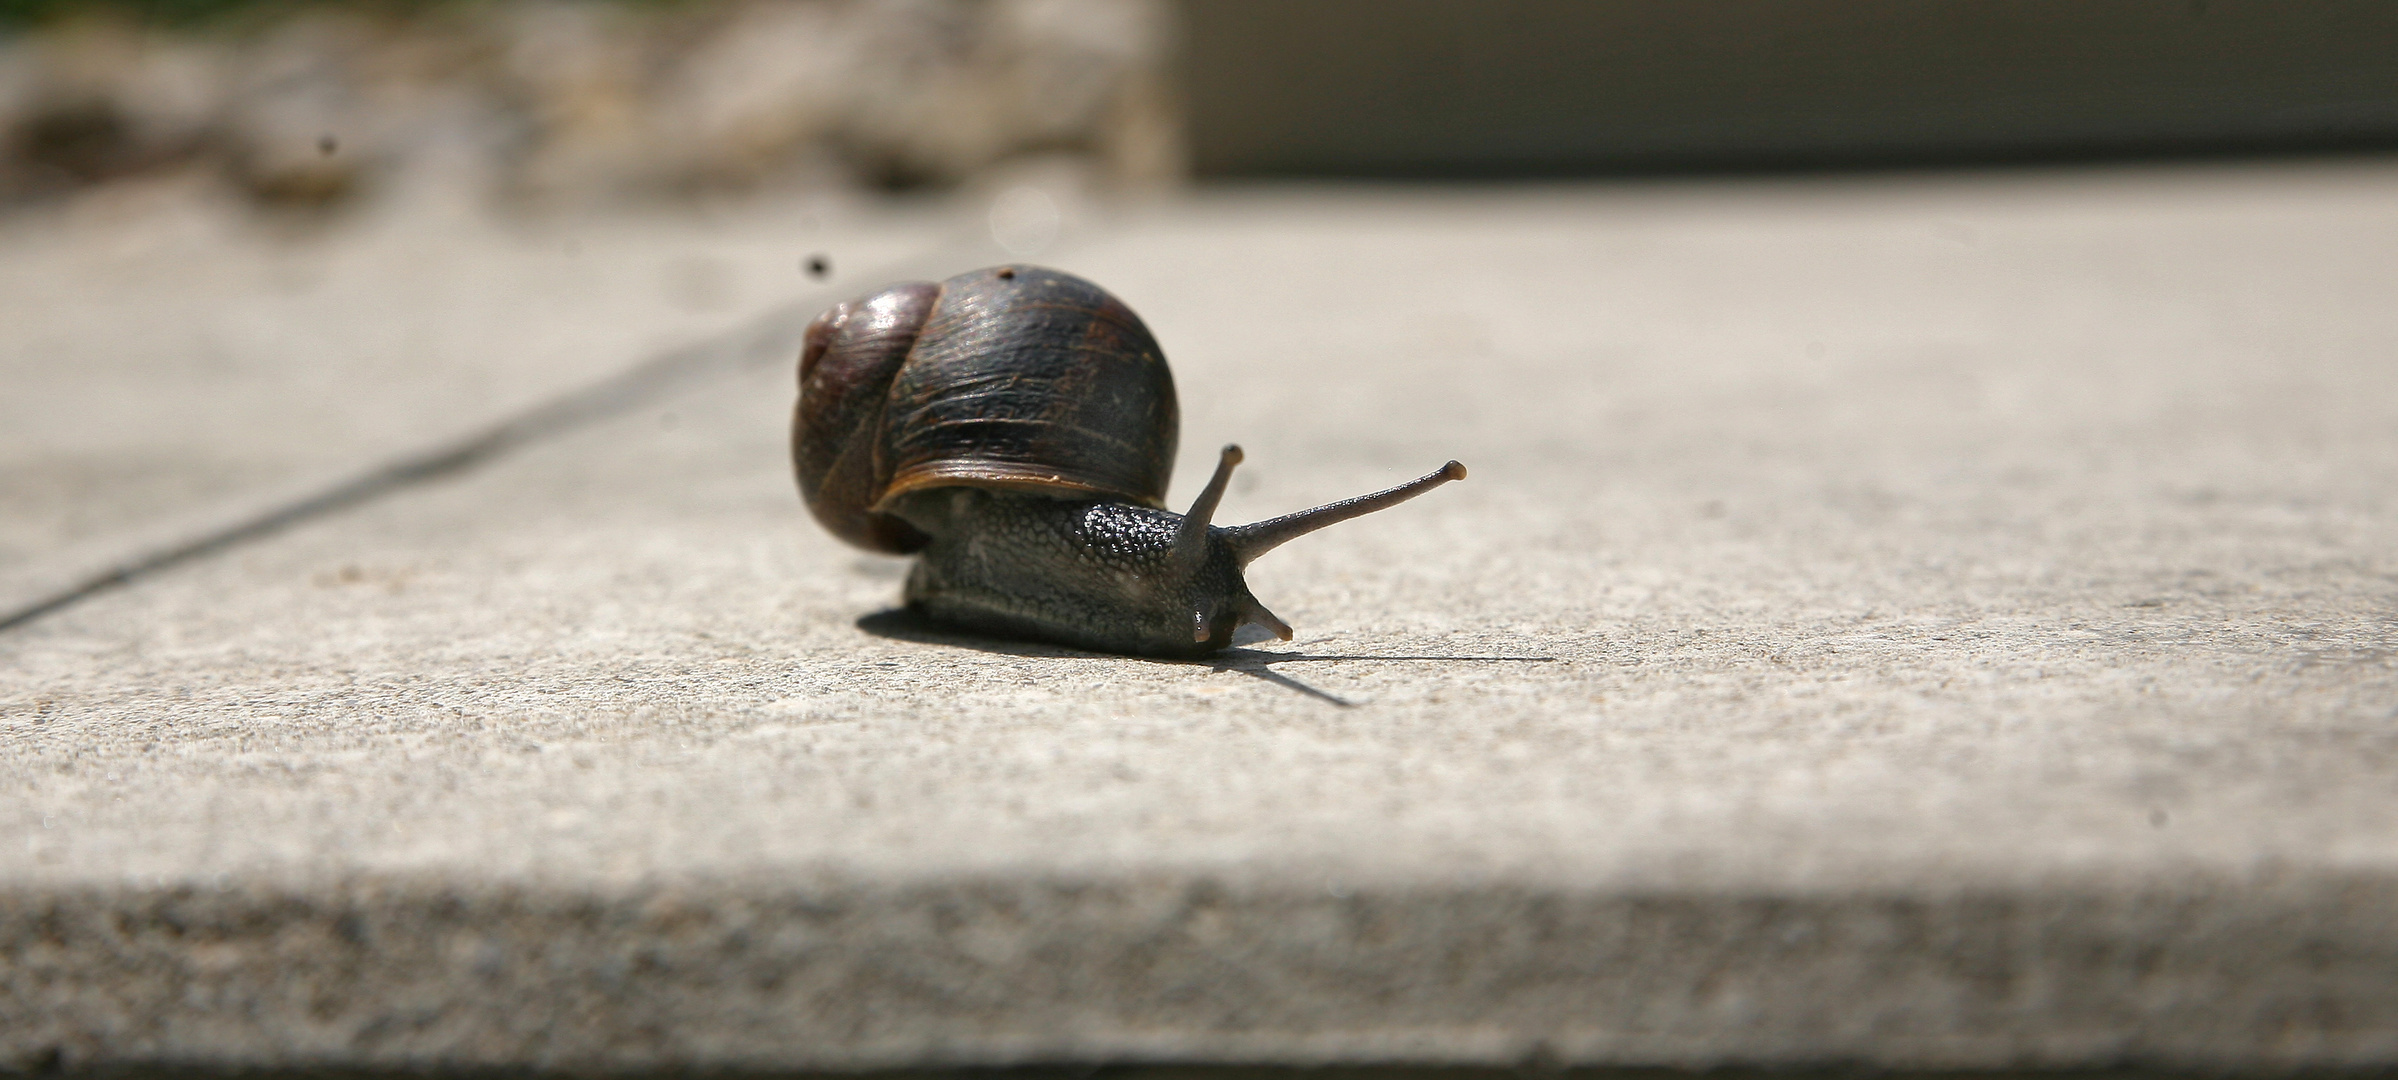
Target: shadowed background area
[(1561, 87)]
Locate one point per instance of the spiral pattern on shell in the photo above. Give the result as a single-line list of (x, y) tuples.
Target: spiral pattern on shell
[(1015, 377)]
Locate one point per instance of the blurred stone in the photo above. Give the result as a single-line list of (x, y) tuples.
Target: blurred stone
[(301, 131), (946, 89), (97, 101), (755, 99), (573, 75), (560, 103)]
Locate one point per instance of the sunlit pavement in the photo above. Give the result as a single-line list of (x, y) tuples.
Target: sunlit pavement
[(1932, 620)]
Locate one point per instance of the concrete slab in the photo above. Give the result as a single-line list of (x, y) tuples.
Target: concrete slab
[(1916, 622), (177, 366)]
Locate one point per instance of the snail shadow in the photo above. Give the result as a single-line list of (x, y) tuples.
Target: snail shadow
[(901, 624)]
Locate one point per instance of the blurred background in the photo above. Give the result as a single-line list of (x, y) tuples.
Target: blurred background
[(316, 106), (532, 102)]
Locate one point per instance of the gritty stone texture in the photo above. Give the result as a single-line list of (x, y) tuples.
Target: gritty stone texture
[(1913, 622), (175, 365)]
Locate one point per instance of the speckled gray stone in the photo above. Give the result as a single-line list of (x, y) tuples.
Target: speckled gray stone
[(1930, 621)]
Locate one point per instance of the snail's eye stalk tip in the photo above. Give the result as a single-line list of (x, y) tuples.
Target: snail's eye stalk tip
[(1190, 541), (1250, 541)]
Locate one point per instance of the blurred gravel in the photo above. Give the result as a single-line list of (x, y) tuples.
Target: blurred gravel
[(554, 102)]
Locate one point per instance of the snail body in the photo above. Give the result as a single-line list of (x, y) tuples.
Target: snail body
[(1015, 428)]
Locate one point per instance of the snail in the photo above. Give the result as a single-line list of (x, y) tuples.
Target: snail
[(1015, 428)]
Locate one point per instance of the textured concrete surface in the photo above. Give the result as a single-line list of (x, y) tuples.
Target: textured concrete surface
[(1935, 621), (175, 365)]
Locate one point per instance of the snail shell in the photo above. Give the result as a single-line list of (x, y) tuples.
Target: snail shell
[(1014, 377)]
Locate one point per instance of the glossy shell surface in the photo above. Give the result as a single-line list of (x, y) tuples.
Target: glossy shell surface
[(851, 354), (1014, 377)]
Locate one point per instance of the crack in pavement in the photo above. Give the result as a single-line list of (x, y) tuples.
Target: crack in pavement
[(769, 337)]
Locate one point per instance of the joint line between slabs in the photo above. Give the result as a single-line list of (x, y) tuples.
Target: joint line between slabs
[(769, 336)]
